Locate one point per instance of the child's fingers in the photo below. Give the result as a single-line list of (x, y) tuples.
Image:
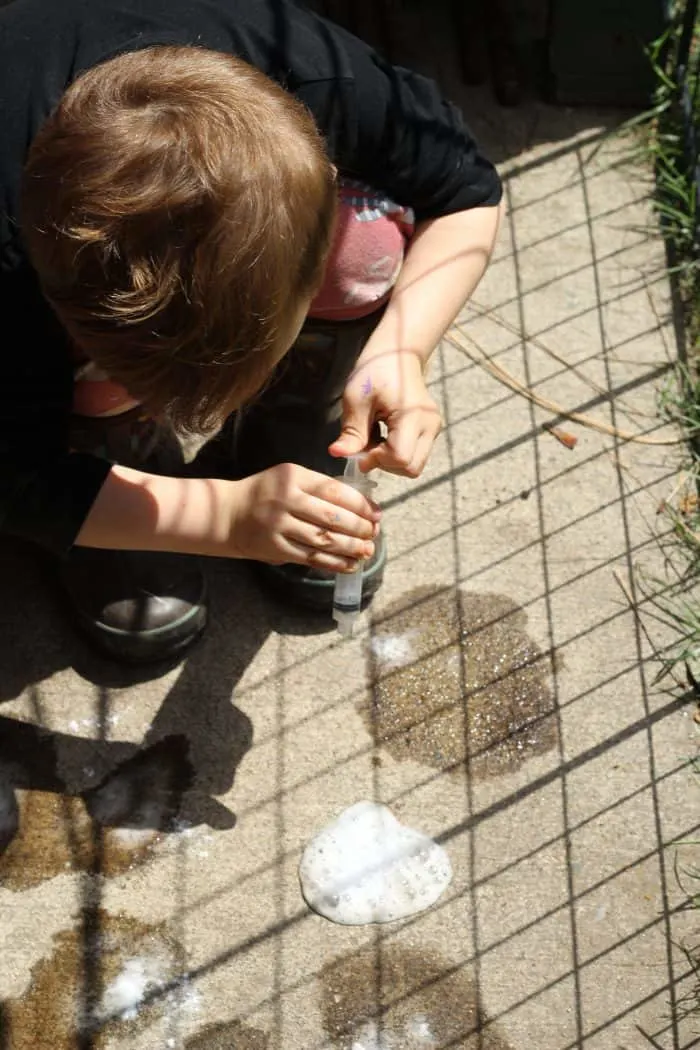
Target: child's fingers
[(340, 496), (356, 426), (325, 540), (301, 555), (396, 453), (330, 561), (407, 449), (385, 457), (421, 454), (327, 515)]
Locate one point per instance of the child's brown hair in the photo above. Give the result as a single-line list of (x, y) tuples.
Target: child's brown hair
[(178, 207)]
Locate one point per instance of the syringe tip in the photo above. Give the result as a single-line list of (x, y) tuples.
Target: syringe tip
[(352, 468), (345, 621)]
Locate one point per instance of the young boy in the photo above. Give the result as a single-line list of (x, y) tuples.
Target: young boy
[(184, 183)]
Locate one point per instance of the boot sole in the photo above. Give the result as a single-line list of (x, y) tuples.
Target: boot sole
[(158, 645)]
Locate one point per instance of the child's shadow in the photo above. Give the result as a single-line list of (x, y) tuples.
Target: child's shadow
[(191, 751)]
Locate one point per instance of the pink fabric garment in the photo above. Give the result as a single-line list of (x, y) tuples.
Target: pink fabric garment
[(367, 253), (365, 259), (97, 396)]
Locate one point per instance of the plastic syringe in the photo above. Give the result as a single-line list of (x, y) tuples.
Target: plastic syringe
[(347, 593)]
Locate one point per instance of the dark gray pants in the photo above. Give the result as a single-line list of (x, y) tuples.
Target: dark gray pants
[(293, 420)]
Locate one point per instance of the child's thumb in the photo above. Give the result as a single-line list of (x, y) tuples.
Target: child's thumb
[(354, 435)]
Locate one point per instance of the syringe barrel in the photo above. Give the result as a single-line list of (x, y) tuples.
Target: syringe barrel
[(347, 593)]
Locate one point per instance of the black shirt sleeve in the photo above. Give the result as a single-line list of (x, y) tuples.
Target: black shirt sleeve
[(393, 128), (46, 491)]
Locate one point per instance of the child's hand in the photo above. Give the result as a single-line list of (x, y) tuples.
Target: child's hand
[(290, 514), (389, 386)]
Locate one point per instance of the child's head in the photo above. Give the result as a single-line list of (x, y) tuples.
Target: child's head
[(178, 207)]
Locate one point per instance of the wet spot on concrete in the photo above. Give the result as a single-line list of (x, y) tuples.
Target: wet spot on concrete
[(385, 995), (229, 1036), (472, 690), (110, 829), (56, 836), (92, 988)]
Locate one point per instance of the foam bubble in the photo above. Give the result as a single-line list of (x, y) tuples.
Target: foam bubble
[(367, 867), (126, 993), (370, 1038), (134, 838), (419, 1029), (416, 1035), (393, 650)]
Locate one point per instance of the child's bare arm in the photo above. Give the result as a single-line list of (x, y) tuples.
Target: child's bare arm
[(286, 513), (445, 262)]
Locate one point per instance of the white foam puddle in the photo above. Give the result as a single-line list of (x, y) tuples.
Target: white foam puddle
[(393, 650), (366, 867), (197, 837), (141, 975), (124, 996), (415, 1036), (76, 725), (133, 838), (419, 1030), (370, 1038)]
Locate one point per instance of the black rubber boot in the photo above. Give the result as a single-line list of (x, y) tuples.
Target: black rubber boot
[(135, 606), (294, 421)]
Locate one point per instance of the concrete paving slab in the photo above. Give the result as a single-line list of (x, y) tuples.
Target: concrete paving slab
[(520, 723)]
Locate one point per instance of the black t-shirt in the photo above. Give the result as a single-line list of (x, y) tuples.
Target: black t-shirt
[(382, 124)]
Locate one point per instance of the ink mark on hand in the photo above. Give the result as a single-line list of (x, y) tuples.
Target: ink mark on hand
[(367, 387)]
